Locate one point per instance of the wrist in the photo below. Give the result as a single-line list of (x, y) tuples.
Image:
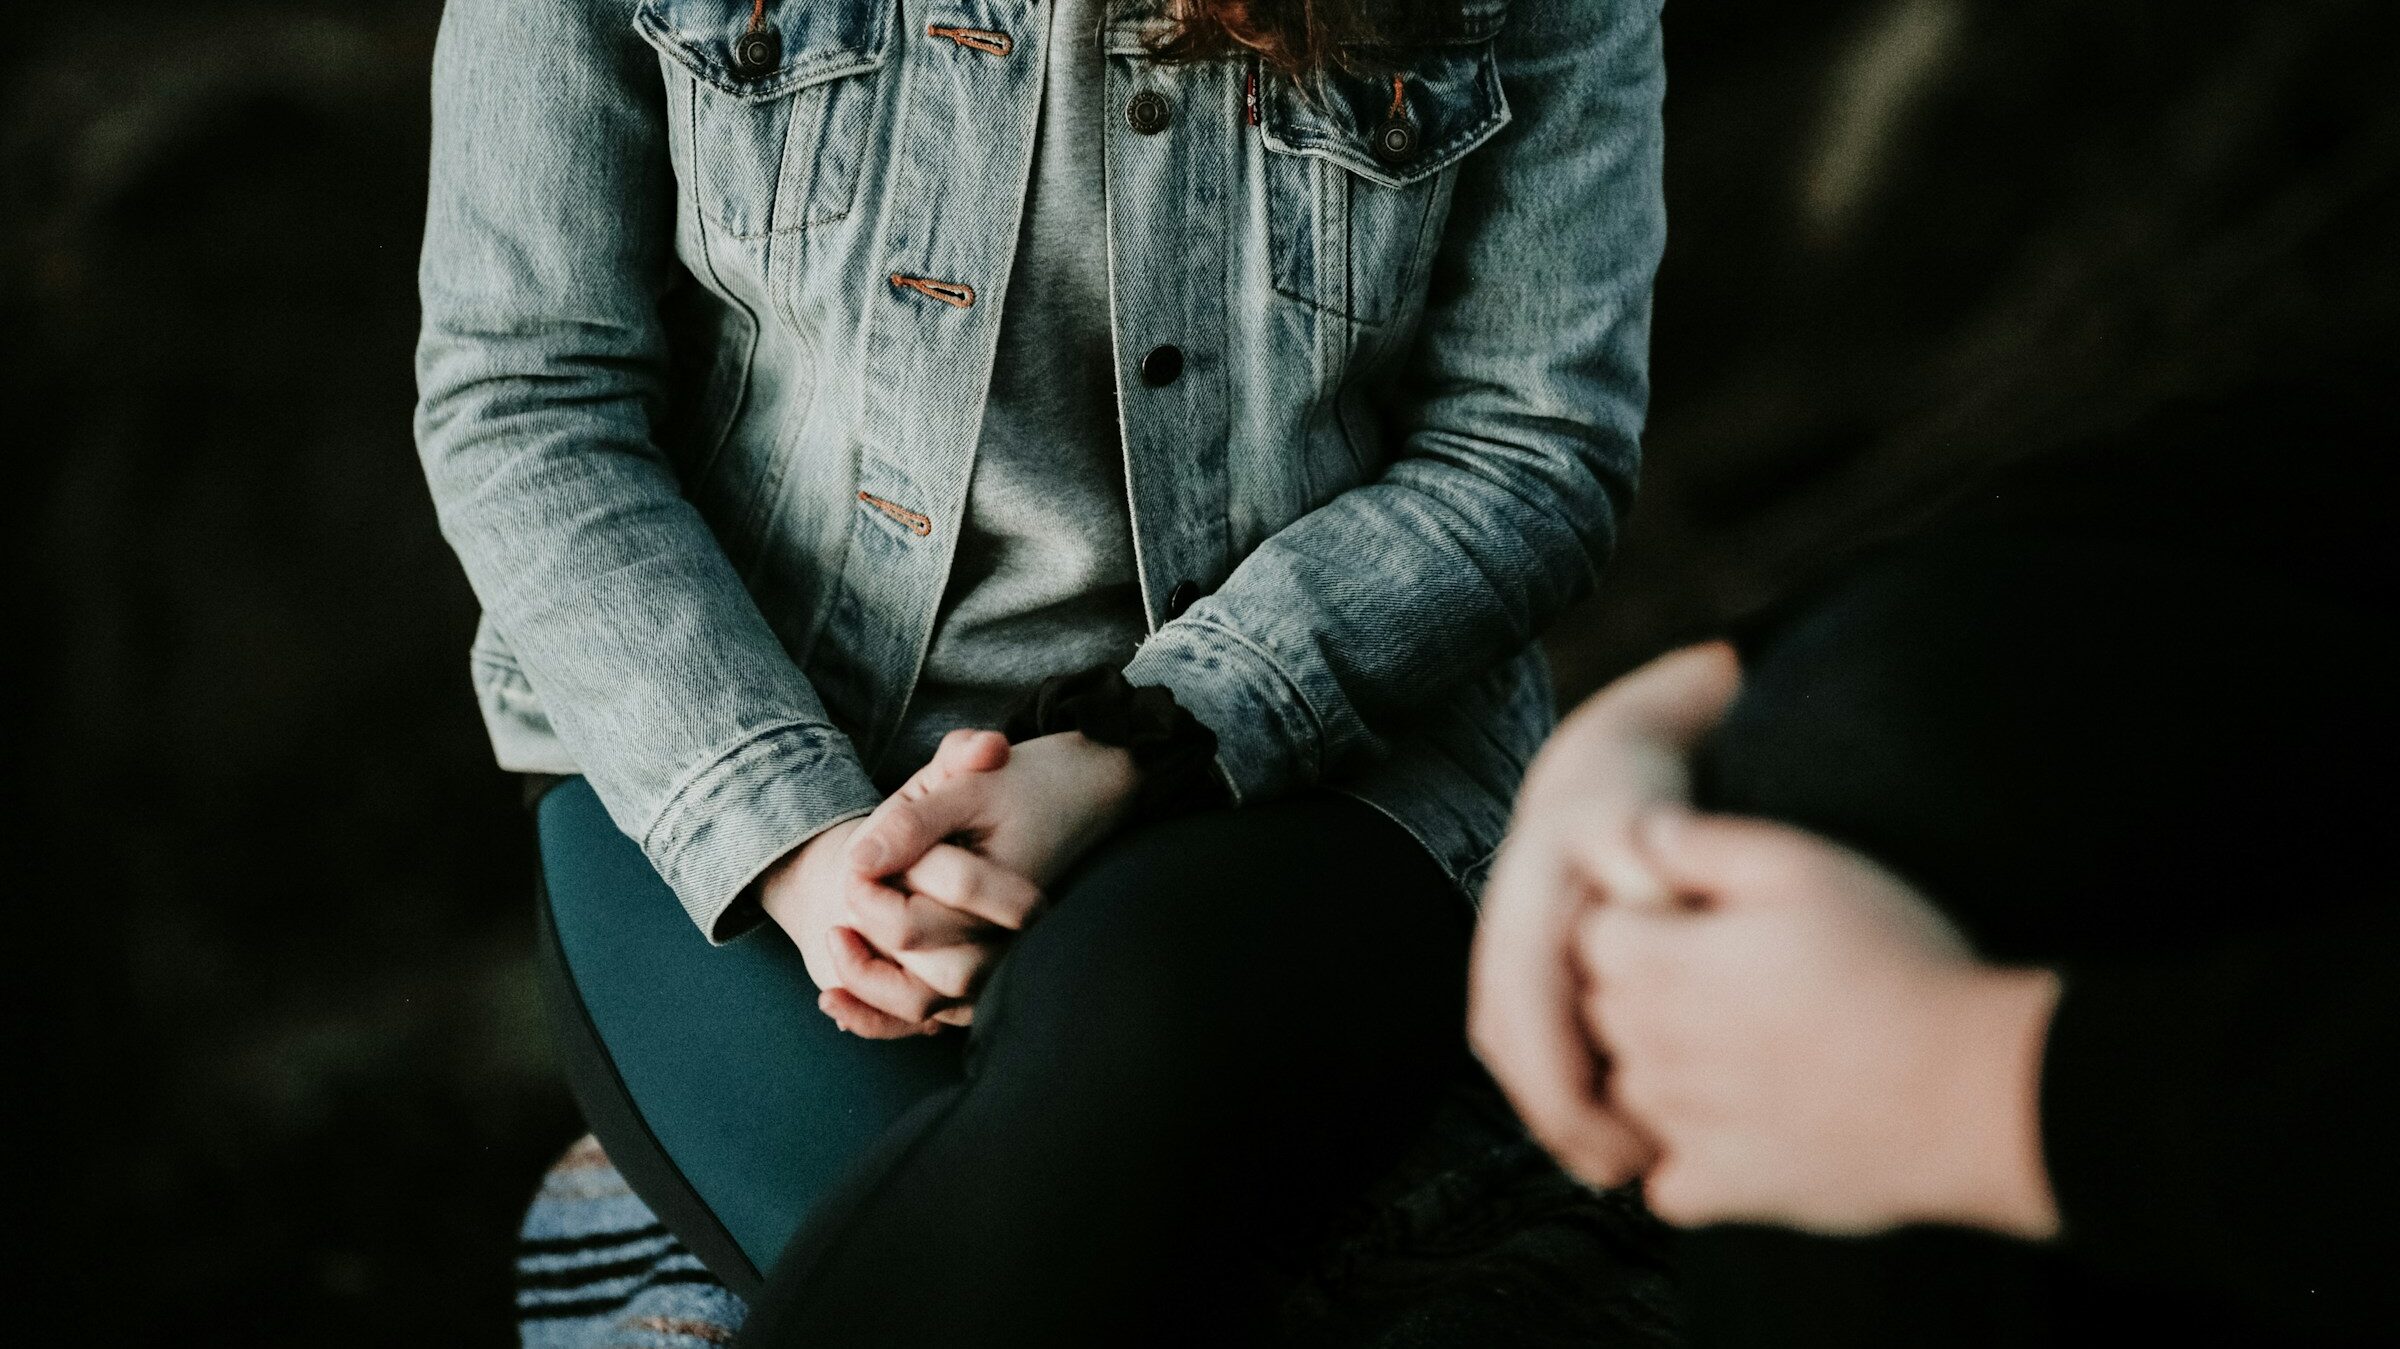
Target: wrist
[(1116, 773), (773, 895), (780, 886), (2001, 1181), (1169, 764)]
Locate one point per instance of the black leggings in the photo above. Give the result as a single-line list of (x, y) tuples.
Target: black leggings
[(1226, 1026)]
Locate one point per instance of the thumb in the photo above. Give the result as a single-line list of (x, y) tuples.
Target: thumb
[(902, 830), (1683, 694), (969, 750), (962, 751)]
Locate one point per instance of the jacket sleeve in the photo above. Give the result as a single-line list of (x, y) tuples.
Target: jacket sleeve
[(2224, 1120), (541, 369), (1517, 458)]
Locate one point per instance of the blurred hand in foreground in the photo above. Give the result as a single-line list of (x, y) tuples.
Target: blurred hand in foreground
[(1809, 1043), (1624, 753)]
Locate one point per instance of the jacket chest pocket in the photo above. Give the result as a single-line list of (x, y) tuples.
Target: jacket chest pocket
[(1358, 171), (771, 115)]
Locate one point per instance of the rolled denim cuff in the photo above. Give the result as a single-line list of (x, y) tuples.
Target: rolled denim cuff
[(729, 821), (1268, 737)]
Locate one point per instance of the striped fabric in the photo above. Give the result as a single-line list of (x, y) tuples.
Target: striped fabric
[(597, 1270)]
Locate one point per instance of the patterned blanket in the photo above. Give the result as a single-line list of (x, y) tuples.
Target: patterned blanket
[(1478, 1241), (597, 1270)]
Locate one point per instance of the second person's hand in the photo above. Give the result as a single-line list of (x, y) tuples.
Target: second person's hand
[(1621, 754), (1812, 1044)]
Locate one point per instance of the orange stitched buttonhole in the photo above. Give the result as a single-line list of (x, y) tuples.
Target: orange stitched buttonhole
[(981, 39), (956, 294), (916, 524)]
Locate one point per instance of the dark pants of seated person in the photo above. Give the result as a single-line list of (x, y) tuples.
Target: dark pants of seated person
[(2167, 775), (1225, 1027)]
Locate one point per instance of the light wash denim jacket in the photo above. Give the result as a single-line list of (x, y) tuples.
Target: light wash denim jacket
[(706, 347)]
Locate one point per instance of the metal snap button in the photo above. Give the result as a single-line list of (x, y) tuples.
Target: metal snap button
[(757, 53), (1162, 366), (1396, 141), (1182, 597), (1147, 112)]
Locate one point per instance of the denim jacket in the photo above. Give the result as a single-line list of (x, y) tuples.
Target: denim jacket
[(709, 316)]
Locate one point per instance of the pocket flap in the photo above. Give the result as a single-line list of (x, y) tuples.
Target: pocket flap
[(819, 40), (1396, 127)]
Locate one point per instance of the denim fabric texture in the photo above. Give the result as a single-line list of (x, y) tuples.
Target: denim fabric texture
[(706, 348)]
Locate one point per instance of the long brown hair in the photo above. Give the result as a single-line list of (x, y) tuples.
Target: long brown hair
[(1299, 37)]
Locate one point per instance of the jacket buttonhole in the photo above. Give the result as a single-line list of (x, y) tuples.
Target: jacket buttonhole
[(916, 523), (956, 294)]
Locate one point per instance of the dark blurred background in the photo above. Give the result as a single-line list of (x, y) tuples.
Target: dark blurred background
[(285, 1082)]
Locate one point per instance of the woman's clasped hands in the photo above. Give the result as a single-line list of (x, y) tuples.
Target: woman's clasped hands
[(900, 915)]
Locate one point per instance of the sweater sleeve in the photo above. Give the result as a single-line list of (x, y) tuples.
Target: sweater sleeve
[(2226, 1120)]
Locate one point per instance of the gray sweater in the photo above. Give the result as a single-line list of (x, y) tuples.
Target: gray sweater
[(1043, 579)]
